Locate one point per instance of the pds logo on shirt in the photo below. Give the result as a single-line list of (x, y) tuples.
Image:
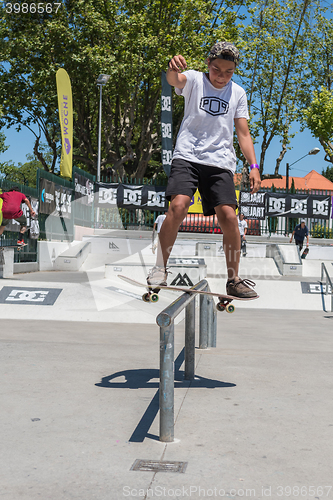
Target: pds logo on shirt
[(214, 105)]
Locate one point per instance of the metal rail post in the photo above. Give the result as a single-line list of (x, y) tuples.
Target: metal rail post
[(167, 383), (190, 340)]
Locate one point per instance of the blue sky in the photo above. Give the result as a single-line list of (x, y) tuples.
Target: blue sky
[(21, 143)]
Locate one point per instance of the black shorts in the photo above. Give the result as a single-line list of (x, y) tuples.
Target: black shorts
[(216, 185), (22, 220)]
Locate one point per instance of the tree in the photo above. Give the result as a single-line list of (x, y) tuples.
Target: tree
[(131, 40), (274, 48), (319, 119), (328, 173)]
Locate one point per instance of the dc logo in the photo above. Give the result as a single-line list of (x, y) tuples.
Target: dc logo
[(277, 204), (214, 106), (107, 196), (166, 103), (156, 199), (245, 197), (132, 197), (320, 207), (26, 296), (166, 130), (299, 206), (166, 157)]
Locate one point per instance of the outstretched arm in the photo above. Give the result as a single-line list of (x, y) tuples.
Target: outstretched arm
[(32, 212), (174, 74)]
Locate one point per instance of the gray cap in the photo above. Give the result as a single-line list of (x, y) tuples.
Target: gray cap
[(303, 220), (224, 50)]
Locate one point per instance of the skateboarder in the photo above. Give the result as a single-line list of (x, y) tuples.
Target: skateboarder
[(11, 209), (204, 156), (242, 225), (299, 233)]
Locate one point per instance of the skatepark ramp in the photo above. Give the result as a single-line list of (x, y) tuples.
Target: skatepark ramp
[(207, 338), (286, 257)]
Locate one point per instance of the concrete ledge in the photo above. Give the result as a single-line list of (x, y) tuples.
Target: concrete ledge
[(6, 262), (25, 267), (73, 257)]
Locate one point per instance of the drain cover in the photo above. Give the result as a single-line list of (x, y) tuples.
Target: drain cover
[(158, 466)]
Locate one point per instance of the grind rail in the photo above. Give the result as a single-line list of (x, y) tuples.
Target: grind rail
[(328, 281), (207, 338)]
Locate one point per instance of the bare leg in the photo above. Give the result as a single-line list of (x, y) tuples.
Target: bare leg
[(231, 241), (177, 212), (2, 228)]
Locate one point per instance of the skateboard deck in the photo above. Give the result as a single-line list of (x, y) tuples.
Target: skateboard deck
[(14, 246), (151, 295), (305, 253)]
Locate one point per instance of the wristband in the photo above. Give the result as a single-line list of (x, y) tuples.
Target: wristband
[(254, 165)]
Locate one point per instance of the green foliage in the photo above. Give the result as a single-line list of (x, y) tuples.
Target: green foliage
[(319, 119), (319, 231), (274, 69), (131, 40), (328, 173)]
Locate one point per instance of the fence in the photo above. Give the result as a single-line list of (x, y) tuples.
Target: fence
[(165, 321)]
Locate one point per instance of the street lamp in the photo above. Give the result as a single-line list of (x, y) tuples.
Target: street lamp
[(313, 151), (101, 80)]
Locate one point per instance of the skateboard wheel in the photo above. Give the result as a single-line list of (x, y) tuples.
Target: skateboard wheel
[(220, 306), (154, 297), (230, 308), (145, 297)]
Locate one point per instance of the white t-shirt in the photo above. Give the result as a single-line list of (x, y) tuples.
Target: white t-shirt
[(159, 221), (206, 132), (242, 224)]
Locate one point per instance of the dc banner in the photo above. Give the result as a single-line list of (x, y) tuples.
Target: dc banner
[(63, 200), (166, 124), (298, 205), (106, 195), (252, 205), (84, 189), (47, 203), (130, 196)]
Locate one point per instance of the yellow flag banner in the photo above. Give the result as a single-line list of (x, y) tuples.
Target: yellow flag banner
[(196, 205), (65, 106)]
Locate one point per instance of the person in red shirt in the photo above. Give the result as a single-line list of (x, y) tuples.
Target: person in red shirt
[(11, 209)]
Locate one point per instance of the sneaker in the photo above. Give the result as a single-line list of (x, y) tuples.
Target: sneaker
[(20, 243), (157, 276), (240, 288)]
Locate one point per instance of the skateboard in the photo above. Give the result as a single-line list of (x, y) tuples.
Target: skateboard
[(305, 253), (152, 294), (18, 247)]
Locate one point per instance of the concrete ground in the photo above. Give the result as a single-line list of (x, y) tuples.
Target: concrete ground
[(79, 394)]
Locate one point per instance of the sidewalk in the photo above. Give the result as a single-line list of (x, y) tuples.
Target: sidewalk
[(79, 406)]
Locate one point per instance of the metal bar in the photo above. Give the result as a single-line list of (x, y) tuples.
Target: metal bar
[(167, 383), (210, 323), (203, 325), (328, 281), (171, 312), (190, 340)]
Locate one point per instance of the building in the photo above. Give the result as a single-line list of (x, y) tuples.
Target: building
[(313, 182)]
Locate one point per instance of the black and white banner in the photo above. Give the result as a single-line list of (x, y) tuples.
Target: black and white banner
[(55, 199), (84, 189), (63, 201), (47, 196), (298, 205), (130, 196), (252, 205), (166, 124)]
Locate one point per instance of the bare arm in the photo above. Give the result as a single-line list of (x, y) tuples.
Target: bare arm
[(246, 145), (32, 212), (174, 76)]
